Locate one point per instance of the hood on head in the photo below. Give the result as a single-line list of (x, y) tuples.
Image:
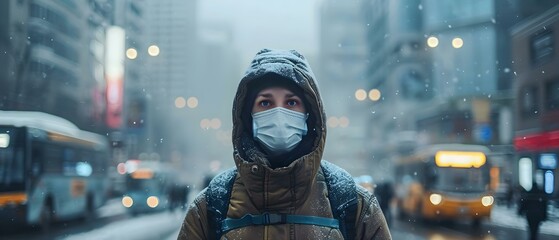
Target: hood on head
[(284, 65)]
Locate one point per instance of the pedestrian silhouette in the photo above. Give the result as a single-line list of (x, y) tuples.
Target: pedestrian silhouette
[(385, 193), (533, 205), (509, 194)]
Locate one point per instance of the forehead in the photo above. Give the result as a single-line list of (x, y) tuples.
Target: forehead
[(275, 91)]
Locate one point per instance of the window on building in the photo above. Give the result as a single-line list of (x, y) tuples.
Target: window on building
[(541, 46), (552, 95), (529, 102)]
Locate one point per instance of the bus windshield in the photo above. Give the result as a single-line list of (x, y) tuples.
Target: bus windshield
[(467, 180), (11, 162), (147, 185)]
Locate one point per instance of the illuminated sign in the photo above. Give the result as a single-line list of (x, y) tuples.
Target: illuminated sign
[(548, 161), (460, 159), (548, 186), (525, 173), (142, 174), (114, 75)]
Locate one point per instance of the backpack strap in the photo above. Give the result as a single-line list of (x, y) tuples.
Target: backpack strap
[(218, 194), (342, 194), (277, 218)]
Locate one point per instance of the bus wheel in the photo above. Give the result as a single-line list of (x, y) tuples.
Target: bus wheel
[(46, 217)]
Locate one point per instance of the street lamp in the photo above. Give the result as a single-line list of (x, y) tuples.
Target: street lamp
[(374, 94), (192, 102), (215, 123), (343, 121), (432, 42), (360, 95), (332, 122), (180, 102), (131, 53), (153, 50), (457, 42), (205, 124)]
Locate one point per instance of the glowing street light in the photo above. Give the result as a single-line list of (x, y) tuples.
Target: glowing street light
[(131, 53), (180, 102), (360, 94), (457, 42), (374, 94), (205, 124), (192, 102), (153, 50), (215, 123), (344, 122), (432, 42), (332, 122)]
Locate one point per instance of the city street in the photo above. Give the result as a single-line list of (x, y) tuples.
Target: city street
[(513, 229), (114, 223)]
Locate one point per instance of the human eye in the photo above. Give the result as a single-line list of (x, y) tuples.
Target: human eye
[(264, 103), (292, 103)]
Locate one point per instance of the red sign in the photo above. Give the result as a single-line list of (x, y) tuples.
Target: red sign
[(114, 102), (537, 142)]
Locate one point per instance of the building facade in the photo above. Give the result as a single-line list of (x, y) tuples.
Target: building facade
[(536, 89), (47, 68), (341, 71)]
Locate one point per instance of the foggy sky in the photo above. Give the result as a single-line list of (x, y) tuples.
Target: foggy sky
[(257, 24)]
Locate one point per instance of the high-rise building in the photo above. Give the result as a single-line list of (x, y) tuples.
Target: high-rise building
[(48, 68), (341, 72), (398, 72), (471, 69), (170, 50), (133, 123), (170, 27), (13, 51)]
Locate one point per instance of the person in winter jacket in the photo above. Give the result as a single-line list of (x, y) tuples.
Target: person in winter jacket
[(533, 205), (278, 136)]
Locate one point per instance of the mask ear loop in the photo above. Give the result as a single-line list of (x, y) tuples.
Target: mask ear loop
[(306, 125)]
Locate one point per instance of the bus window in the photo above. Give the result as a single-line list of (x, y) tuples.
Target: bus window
[(431, 176), (460, 179), (6, 161), (11, 162)]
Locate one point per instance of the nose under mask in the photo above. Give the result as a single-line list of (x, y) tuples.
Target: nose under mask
[(279, 130)]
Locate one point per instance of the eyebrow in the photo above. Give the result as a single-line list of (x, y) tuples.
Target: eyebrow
[(269, 95)]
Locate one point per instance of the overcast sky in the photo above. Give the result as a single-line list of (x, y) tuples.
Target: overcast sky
[(257, 24)]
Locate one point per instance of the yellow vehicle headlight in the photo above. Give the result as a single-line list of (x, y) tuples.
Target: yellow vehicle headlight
[(487, 201), (152, 201), (127, 201), (436, 199)]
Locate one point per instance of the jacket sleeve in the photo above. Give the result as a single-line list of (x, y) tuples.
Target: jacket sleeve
[(371, 223), (195, 224)]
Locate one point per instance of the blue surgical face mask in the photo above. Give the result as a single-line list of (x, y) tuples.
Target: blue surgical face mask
[(279, 130)]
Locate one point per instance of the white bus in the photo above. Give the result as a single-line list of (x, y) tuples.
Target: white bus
[(50, 170)]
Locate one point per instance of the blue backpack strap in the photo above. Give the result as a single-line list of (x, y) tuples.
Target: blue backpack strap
[(342, 194), (218, 195), (277, 218)]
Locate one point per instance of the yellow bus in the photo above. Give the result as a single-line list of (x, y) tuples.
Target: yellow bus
[(445, 181)]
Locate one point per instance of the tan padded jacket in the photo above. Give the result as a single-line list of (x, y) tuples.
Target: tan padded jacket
[(297, 189)]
